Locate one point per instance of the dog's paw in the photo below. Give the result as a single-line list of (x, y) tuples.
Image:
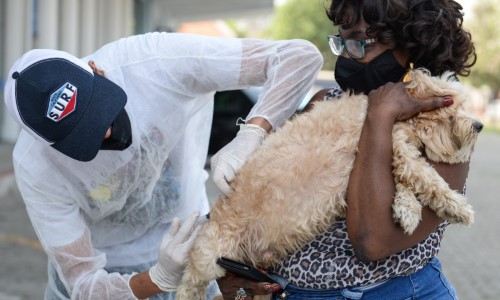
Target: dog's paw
[(406, 210), (408, 220), (463, 215), (456, 210)]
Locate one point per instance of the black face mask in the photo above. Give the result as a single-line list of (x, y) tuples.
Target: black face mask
[(362, 78), (121, 133)]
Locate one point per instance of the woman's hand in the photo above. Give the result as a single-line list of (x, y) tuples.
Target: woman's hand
[(231, 283), (392, 101)]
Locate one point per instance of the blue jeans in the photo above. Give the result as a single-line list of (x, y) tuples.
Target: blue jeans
[(429, 283)]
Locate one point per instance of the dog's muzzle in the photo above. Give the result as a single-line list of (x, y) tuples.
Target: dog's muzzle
[(478, 126)]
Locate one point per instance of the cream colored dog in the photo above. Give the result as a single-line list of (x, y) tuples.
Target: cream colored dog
[(294, 186)]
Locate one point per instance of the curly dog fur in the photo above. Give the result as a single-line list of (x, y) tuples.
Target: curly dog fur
[(294, 186)]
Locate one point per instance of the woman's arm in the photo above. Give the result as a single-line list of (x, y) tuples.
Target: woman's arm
[(371, 188)]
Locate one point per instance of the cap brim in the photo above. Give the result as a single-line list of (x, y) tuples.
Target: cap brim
[(84, 141)]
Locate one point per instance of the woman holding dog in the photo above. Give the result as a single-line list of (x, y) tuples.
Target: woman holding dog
[(367, 255)]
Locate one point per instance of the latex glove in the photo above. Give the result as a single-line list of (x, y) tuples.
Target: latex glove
[(173, 255), (227, 162)]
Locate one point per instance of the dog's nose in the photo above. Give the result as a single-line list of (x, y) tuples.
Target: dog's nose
[(478, 126)]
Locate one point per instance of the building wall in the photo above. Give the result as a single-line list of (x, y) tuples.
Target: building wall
[(75, 26), (171, 13), (81, 26)]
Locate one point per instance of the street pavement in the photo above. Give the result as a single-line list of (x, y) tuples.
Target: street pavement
[(470, 255)]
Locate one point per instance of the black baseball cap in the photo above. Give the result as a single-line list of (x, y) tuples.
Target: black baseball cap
[(59, 100)]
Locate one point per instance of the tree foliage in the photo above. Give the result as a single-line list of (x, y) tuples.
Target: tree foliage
[(304, 19), (484, 26)]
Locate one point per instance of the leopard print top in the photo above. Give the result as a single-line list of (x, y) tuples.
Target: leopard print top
[(328, 262)]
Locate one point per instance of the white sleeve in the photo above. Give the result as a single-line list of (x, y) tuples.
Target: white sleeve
[(285, 69), (194, 65), (63, 233), (289, 72)]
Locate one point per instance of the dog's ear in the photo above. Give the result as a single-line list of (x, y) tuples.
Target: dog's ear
[(425, 131), (423, 85)]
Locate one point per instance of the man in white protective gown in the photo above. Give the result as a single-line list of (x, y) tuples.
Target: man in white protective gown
[(110, 159)]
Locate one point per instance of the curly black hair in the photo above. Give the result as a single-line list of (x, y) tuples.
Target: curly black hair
[(431, 30)]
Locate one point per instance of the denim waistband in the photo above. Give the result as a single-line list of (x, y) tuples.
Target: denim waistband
[(349, 293), (427, 283)]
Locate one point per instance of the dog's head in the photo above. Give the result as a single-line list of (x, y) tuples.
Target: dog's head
[(447, 134)]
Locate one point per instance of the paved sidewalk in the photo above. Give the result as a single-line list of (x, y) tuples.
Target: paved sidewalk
[(470, 255)]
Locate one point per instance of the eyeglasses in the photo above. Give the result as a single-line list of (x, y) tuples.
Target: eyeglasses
[(354, 47)]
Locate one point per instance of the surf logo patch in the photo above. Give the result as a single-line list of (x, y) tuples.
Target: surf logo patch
[(62, 102)]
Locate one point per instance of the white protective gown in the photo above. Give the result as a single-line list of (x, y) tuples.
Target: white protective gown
[(112, 212)]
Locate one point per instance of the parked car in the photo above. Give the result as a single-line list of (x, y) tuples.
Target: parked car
[(228, 107), (231, 105)]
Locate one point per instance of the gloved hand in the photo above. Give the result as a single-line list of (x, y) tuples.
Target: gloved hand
[(173, 256), (227, 162)]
